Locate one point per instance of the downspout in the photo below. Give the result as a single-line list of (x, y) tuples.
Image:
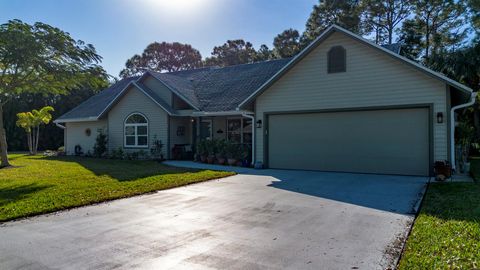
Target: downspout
[(253, 136), (452, 127)]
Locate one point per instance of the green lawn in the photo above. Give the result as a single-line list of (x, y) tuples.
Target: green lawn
[(475, 168), (446, 234), (40, 184)]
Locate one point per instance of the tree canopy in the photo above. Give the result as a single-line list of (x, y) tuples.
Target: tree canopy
[(287, 43), (232, 52), (42, 59), (345, 13), (162, 57)]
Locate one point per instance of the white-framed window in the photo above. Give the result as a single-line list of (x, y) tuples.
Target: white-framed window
[(136, 131), (239, 130)]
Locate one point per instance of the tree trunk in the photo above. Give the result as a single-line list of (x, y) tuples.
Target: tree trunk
[(3, 142), (37, 134), (29, 141)]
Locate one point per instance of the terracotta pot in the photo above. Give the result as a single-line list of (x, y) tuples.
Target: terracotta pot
[(203, 159), (211, 159), (232, 161)]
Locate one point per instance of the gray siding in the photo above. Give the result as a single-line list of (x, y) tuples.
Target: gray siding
[(176, 122), (372, 79), (75, 134), (135, 101), (158, 87)]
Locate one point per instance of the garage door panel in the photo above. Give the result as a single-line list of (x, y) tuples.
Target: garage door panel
[(377, 141)]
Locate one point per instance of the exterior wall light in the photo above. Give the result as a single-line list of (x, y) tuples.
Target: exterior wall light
[(439, 117), (259, 123)]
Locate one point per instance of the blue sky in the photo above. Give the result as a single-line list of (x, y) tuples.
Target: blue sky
[(120, 28)]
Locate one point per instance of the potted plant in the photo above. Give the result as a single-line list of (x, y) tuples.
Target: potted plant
[(221, 152), (232, 154), (211, 150), (202, 151)]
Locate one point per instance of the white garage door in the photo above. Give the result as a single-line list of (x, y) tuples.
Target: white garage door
[(373, 141)]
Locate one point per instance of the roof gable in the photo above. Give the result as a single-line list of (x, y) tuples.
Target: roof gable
[(324, 36)]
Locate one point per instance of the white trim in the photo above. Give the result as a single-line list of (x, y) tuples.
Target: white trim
[(224, 113), (60, 126), (115, 99), (320, 38), (135, 125), (69, 120)]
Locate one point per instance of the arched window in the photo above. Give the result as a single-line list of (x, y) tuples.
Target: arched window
[(337, 59), (136, 131)]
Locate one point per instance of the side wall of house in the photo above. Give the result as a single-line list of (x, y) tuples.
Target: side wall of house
[(134, 101), (76, 134), (372, 79)]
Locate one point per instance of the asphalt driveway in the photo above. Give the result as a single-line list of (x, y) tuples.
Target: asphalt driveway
[(276, 220)]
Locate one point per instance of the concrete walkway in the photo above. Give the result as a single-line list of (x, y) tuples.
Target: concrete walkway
[(267, 219)]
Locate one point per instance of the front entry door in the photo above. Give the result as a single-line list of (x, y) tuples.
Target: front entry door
[(206, 130)]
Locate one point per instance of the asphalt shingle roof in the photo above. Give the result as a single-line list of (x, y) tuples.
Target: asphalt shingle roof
[(95, 105), (209, 89)]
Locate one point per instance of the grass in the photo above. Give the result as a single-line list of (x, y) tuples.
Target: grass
[(475, 168), (38, 184), (446, 234)]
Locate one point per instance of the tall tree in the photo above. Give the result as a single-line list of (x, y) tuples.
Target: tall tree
[(163, 57), (232, 52), (474, 6), (264, 53), (287, 43), (440, 23), (40, 59), (345, 13), (385, 16), (463, 65)]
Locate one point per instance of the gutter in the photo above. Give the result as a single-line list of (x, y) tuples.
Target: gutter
[(253, 135), (452, 127), (225, 113), (60, 126)]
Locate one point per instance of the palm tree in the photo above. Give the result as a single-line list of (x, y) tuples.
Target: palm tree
[(30, 122)]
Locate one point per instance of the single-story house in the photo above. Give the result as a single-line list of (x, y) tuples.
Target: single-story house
[(342, 104)]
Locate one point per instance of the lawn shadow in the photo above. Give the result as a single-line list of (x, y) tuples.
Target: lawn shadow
[(453, 201), (122, 170), (17, 193), (392, 193)]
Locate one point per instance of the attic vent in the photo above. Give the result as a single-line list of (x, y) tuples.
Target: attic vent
[(337, 58)]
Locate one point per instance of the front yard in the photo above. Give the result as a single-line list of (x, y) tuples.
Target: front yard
[(446, 234), (40, 184)]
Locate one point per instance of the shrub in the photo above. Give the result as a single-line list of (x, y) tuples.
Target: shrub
[(156, 149), (142, 154), (61, 149), (100, 147), (117, 154), (202, 148)]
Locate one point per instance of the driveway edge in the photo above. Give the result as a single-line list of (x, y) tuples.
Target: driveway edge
[(415, 211)]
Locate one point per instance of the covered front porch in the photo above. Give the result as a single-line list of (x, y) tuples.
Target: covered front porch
[(187, 132)]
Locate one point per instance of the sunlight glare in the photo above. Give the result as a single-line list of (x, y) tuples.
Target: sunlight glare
[(180, 7)]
